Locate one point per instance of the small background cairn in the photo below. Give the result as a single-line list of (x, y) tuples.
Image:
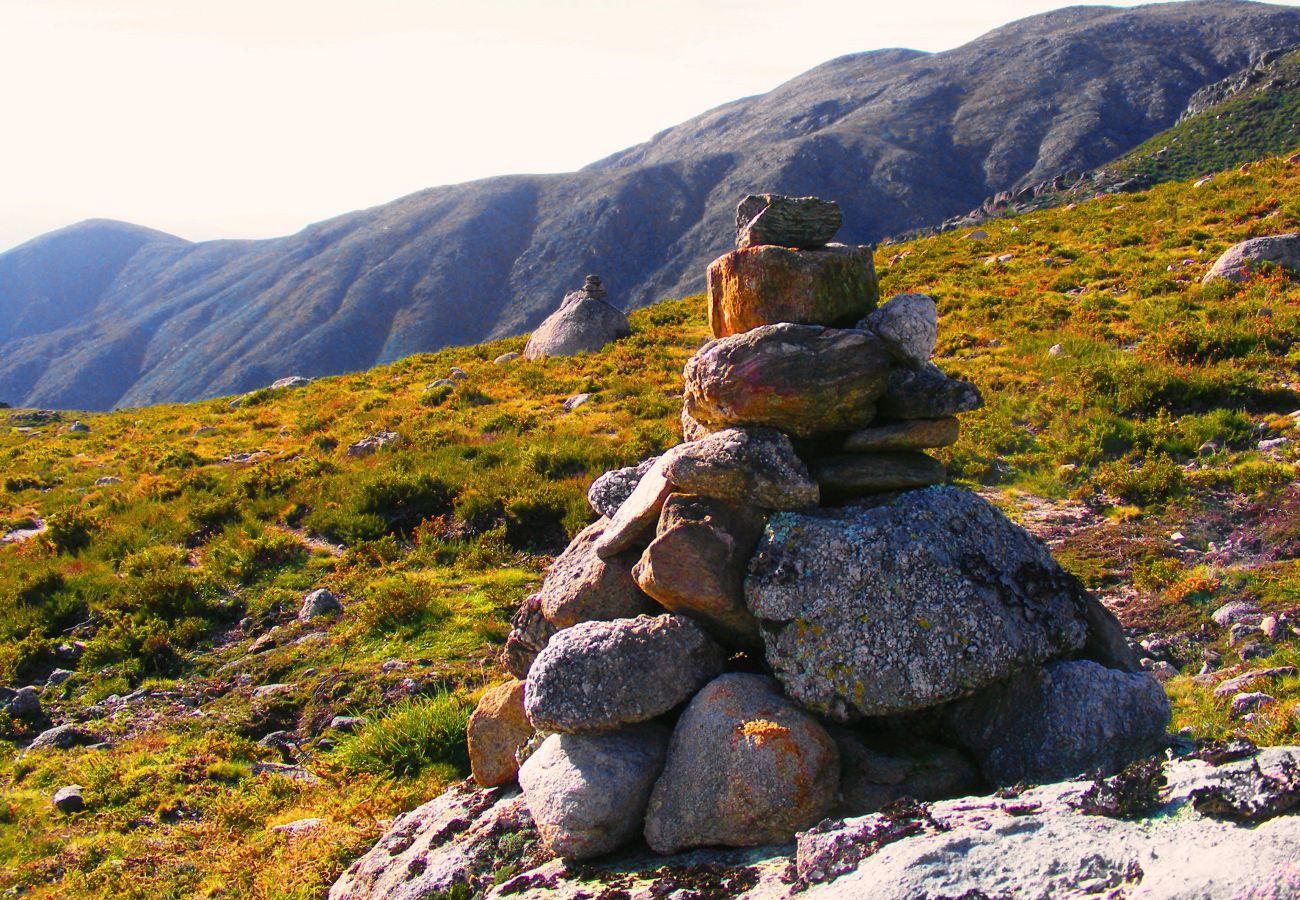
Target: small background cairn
[(790, 616)]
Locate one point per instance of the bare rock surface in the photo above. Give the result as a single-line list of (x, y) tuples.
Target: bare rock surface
[(926, 597), (1240, 260), (909, 326), (453, 840), (697, 562), (748, 465), (598, 676), (801, 379), (581, 585), (756, 286), (746, 767), (804, 222), (588, 792), (1062, 720)]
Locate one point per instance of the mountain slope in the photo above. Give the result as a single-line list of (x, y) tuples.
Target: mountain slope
[(902, 139)]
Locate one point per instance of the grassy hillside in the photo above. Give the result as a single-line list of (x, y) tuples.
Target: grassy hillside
[(179, 540)]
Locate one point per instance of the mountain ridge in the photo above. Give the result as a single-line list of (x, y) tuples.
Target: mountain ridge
[(903, 138)]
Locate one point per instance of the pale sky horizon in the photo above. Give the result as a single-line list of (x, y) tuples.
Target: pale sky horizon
[(254, 118)]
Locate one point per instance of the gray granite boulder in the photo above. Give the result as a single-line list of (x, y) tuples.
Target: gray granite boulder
[(320, 602), (581, 586), (801, 379), (757, 466), (909, 326), (1239, 260), (23, 703), (69, 799), (608, 492), (62, 737), (588, 792), (1061, 720), (584, 323), (919, 599), (598, 676), (746, 767)]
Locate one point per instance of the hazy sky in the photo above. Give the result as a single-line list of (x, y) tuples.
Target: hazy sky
[(251, 118)]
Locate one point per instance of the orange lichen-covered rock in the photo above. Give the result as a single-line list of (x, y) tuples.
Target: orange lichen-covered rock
[(765, 285), (497, 729), (746, 767)]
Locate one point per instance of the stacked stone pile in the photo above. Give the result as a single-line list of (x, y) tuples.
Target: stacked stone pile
[(789, 615)]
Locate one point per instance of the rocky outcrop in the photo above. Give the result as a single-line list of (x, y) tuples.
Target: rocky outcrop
[(1240, 260), (584, 323)]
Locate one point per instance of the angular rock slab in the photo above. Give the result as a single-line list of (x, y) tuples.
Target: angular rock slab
[(1062, 720), (588, 792), (757, 466), (746, 767), (608, 492), (927, 393), (800, 379), (858, 474), (639, 511), (582, 324), (584, 585), (909, 326), (766, 285), (697, 562), (881, 609), (598, 676), (804, 222), (913, 434), (497, 729), (1240, 260)]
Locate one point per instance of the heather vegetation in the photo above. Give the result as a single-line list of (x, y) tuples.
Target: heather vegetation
[(1136, 419)]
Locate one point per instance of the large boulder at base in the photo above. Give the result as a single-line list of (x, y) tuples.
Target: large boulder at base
[(857, 474), (582, 324), (497, 729), (1239, 260), (927, 393), (875, 771), (878, 609), (608, 492), (766, 285), (696, 564), (530, 631), (452, 844), (1062, 720), (748, 465), (909, 326), (598, 676), (910, 434), (801, 379), (581, 586), (746, 767), (1042, 844), (588, 792), (803, 222)]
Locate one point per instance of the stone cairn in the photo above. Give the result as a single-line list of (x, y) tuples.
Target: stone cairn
[(790, 616)]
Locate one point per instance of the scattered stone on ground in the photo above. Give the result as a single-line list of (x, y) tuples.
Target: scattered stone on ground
[(1240, 260), (374, 443), (69, 799), (317, 603)]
